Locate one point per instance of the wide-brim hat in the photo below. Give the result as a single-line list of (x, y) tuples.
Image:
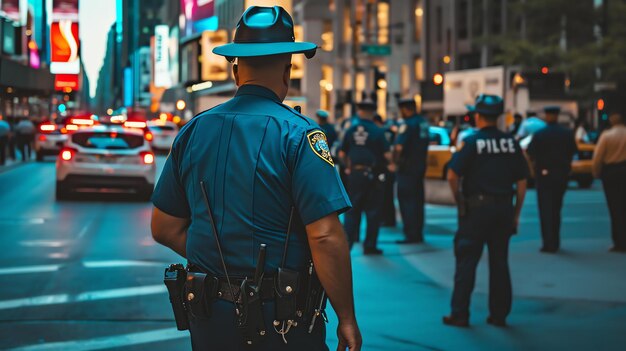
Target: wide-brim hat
[(265, 31), (366, 104), (486, 104), (552, 109)]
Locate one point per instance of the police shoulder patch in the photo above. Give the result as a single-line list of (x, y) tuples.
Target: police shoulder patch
[(319, 145)]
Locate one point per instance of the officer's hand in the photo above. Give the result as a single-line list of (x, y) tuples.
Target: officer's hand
[(349, 336)]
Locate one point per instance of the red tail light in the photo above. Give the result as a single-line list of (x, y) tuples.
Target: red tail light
[(149, 136), (147, 157), (67, 154), (42, 138)]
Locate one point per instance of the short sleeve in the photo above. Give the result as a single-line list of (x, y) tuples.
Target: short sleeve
[(169, 195), (461, 159), (345, 143), (316, 186)]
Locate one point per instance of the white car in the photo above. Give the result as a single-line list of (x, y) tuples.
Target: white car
[(49, 139), (106, 159), (164, 134)]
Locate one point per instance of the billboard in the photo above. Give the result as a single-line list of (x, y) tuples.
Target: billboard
[(462, 87), (15, 10), (162, 56), (64, 82), (65, 10), (64, 48), (214, 67), (199, 16)]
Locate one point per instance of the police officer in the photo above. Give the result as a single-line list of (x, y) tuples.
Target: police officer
[(388, 208), (410, 152), (365, 150), (327, 127), (483, 176), (257, 161), (551, 151)]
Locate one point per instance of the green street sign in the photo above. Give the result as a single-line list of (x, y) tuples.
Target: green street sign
[(376, 50)]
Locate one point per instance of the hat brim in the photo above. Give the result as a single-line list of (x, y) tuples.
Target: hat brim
[(265, 49), (474, 109)]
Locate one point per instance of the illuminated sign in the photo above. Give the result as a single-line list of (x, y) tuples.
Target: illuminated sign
[(161, 56), (65, 10), (199, 15), (213, 67), (63, 82), (15, 10), (64, 48)]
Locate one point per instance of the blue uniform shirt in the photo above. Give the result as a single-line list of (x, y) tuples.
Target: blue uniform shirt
[(365, 144), (552, 149), (490, 162), (257, 158), (414, 138)]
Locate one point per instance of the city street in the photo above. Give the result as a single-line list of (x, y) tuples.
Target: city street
[(86, 275)]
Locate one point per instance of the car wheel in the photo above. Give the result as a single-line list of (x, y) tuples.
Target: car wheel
[(62, 192), (585, 183), (39, 156), (146, 193)]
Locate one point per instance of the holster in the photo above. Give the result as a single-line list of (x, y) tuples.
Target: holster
[(286, 287), (315, 299), (250, 319), (200, 292), (174, 279)]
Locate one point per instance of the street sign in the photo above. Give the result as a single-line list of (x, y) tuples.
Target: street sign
[(376, 50)]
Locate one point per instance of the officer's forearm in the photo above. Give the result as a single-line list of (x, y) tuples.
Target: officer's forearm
[(520, 195), (331, 257), (397, 151), (453, 181), (170, 231)]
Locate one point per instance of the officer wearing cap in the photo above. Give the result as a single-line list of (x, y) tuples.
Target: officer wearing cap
[(257, 161), (327, 127), (410, 153), (551, 151), (365, 151), (483, 176)]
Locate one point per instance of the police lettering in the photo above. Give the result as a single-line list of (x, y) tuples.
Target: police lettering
[(495, 146)]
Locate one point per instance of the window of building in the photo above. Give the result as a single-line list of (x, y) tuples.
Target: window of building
[(383, 22), (477, 19), (495, 12), (419, 17), (439, 24), (327, 36), (347, 27), (297, 61), (462, 19), (326, 87), (419, 69)]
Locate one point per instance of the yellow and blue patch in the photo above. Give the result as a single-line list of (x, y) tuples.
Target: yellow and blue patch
[(319, 145)]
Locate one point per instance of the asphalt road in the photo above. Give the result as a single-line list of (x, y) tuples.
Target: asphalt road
[(86, 275)]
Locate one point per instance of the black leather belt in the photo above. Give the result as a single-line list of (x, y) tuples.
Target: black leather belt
[(485, 199), (225, 292)]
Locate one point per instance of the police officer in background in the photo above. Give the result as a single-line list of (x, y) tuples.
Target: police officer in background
[(327, 127), (551, 151), (410, 153), (483, 177), (388, 208), (258, 165), (365, 151)]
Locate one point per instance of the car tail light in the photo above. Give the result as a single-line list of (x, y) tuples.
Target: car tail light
[(149, 136), (147, 157), (82, 121), (67, 154), (135, 124), (71, 127), (42, 138), (47, 127)]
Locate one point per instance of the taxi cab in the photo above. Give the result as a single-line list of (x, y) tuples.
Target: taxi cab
[(106, 158), (440, 152)]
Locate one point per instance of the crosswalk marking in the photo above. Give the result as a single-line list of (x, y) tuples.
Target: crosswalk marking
[(108, 342), (30, 269), (82, 297), (122, 263)]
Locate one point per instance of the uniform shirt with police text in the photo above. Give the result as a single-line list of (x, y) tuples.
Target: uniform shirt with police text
[(552, 149), (365, 144), (490, 162), (414, 138)]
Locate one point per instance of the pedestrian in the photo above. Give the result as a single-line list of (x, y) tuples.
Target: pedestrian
[(5, 129), (580, 131), (609, 164), (530, 125), (25, 134), (254, 171), (551, 151), (410, 154), (365, 150), (328, 128), (483, 176)]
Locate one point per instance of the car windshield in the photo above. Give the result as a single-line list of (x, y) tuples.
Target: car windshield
[(107, 140)]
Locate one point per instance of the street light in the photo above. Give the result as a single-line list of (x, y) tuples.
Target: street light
[(438, 79), (180, 105)]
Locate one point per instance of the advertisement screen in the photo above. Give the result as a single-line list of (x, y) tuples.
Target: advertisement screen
[(214, 67), (15, 10), (199, 16), (64, 48), (161, 56), (65, 81), (65, 10)]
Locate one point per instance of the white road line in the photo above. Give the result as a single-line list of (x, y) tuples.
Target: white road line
[(45, 243), (108, 342), (121, 263), (84, 230), (21, 221), (82, 297), (30, 269)]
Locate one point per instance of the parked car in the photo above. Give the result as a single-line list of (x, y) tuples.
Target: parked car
[(164, 133)]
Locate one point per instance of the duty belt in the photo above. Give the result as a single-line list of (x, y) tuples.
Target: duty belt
[(485, 199)]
